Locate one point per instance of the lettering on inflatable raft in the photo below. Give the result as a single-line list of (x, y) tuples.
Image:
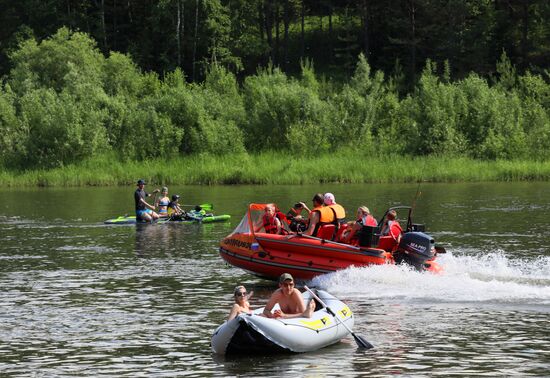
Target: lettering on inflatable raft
[(237, 243)]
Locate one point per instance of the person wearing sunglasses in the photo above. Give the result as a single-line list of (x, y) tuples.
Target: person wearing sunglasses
[(241, 305), (290, 300)]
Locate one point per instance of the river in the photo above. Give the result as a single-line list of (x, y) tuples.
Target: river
[(79, 298)]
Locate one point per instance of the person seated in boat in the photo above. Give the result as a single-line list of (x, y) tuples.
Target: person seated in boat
[(241, 305), (269, 222), (162, 203), (319, 216), (297, 222), (144, 211), (282, 217), (290, 300), (391, 226), (339, 211), (175, 212), (364, 218)]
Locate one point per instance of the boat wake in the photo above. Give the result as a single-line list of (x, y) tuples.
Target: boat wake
[(483, 278)]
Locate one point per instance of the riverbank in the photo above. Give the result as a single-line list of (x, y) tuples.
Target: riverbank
[(277, 168)]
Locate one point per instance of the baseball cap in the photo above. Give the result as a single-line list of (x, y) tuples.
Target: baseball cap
[(141, 181), (284, 277), (175, 197), (329, 199)]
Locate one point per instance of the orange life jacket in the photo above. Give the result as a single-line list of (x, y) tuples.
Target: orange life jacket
[(325, 214), (369, 221), (282, 217), (395, 229), (270, 224), (338, 211)]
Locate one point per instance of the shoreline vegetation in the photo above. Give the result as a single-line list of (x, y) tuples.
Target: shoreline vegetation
[(71, 116), (275, 168)]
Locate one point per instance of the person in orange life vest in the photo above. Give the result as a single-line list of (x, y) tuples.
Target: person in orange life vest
[(339, 211), (270, 223), (319, 215), (364, 218), (391, 226), (282, 217)]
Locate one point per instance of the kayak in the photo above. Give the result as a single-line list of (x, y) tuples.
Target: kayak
[(252, 333), (123, 219)]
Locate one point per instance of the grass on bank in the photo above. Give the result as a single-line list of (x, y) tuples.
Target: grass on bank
[(278, 168)]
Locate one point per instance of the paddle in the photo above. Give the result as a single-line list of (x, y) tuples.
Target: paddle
[(361, 342), (204, 206)]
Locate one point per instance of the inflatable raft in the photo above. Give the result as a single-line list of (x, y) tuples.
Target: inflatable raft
[(269, 255), (252, 333), (197, 219)]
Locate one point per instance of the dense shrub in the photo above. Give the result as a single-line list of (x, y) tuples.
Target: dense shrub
[(61, 129), (283, 113), (11, 129), (48, 64), (64, 102)]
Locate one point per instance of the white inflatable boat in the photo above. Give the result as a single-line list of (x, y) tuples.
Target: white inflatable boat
[(252, 333)]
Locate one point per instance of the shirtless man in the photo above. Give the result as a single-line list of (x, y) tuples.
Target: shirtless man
[(290, 301)]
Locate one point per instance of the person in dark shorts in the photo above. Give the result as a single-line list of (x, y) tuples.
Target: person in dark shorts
[(144, 211)]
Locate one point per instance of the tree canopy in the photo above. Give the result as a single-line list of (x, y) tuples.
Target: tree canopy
[(241, 34)]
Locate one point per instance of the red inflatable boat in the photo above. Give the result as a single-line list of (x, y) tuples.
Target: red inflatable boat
[(269, 255)]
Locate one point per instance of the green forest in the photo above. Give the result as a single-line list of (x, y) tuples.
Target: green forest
[(129, 81)]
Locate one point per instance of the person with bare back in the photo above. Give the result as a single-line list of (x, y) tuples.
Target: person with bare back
[(290, 301)]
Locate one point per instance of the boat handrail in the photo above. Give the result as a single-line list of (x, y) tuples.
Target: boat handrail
[(329, 241)]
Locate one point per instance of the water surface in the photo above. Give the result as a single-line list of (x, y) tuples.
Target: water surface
[(79, 298)]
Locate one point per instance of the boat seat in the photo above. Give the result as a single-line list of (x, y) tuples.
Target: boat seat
[(341, 229), (387, 243), (326, 231)]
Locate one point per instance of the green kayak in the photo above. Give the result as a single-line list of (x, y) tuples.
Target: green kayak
[(196, 219)]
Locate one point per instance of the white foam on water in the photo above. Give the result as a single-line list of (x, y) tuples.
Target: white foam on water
[(487, 278)]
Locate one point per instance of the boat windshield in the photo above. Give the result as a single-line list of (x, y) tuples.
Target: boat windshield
[(252, 221), (243, 227)]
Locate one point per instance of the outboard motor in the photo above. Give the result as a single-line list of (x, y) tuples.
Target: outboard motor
[(415, 248)]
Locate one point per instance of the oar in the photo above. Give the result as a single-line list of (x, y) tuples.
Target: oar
[(361, 342), (204, 206)]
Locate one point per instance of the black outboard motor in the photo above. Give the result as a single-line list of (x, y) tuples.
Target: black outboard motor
[(415, 248)]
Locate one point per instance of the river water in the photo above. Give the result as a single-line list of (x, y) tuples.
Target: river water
[(79, 298)]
